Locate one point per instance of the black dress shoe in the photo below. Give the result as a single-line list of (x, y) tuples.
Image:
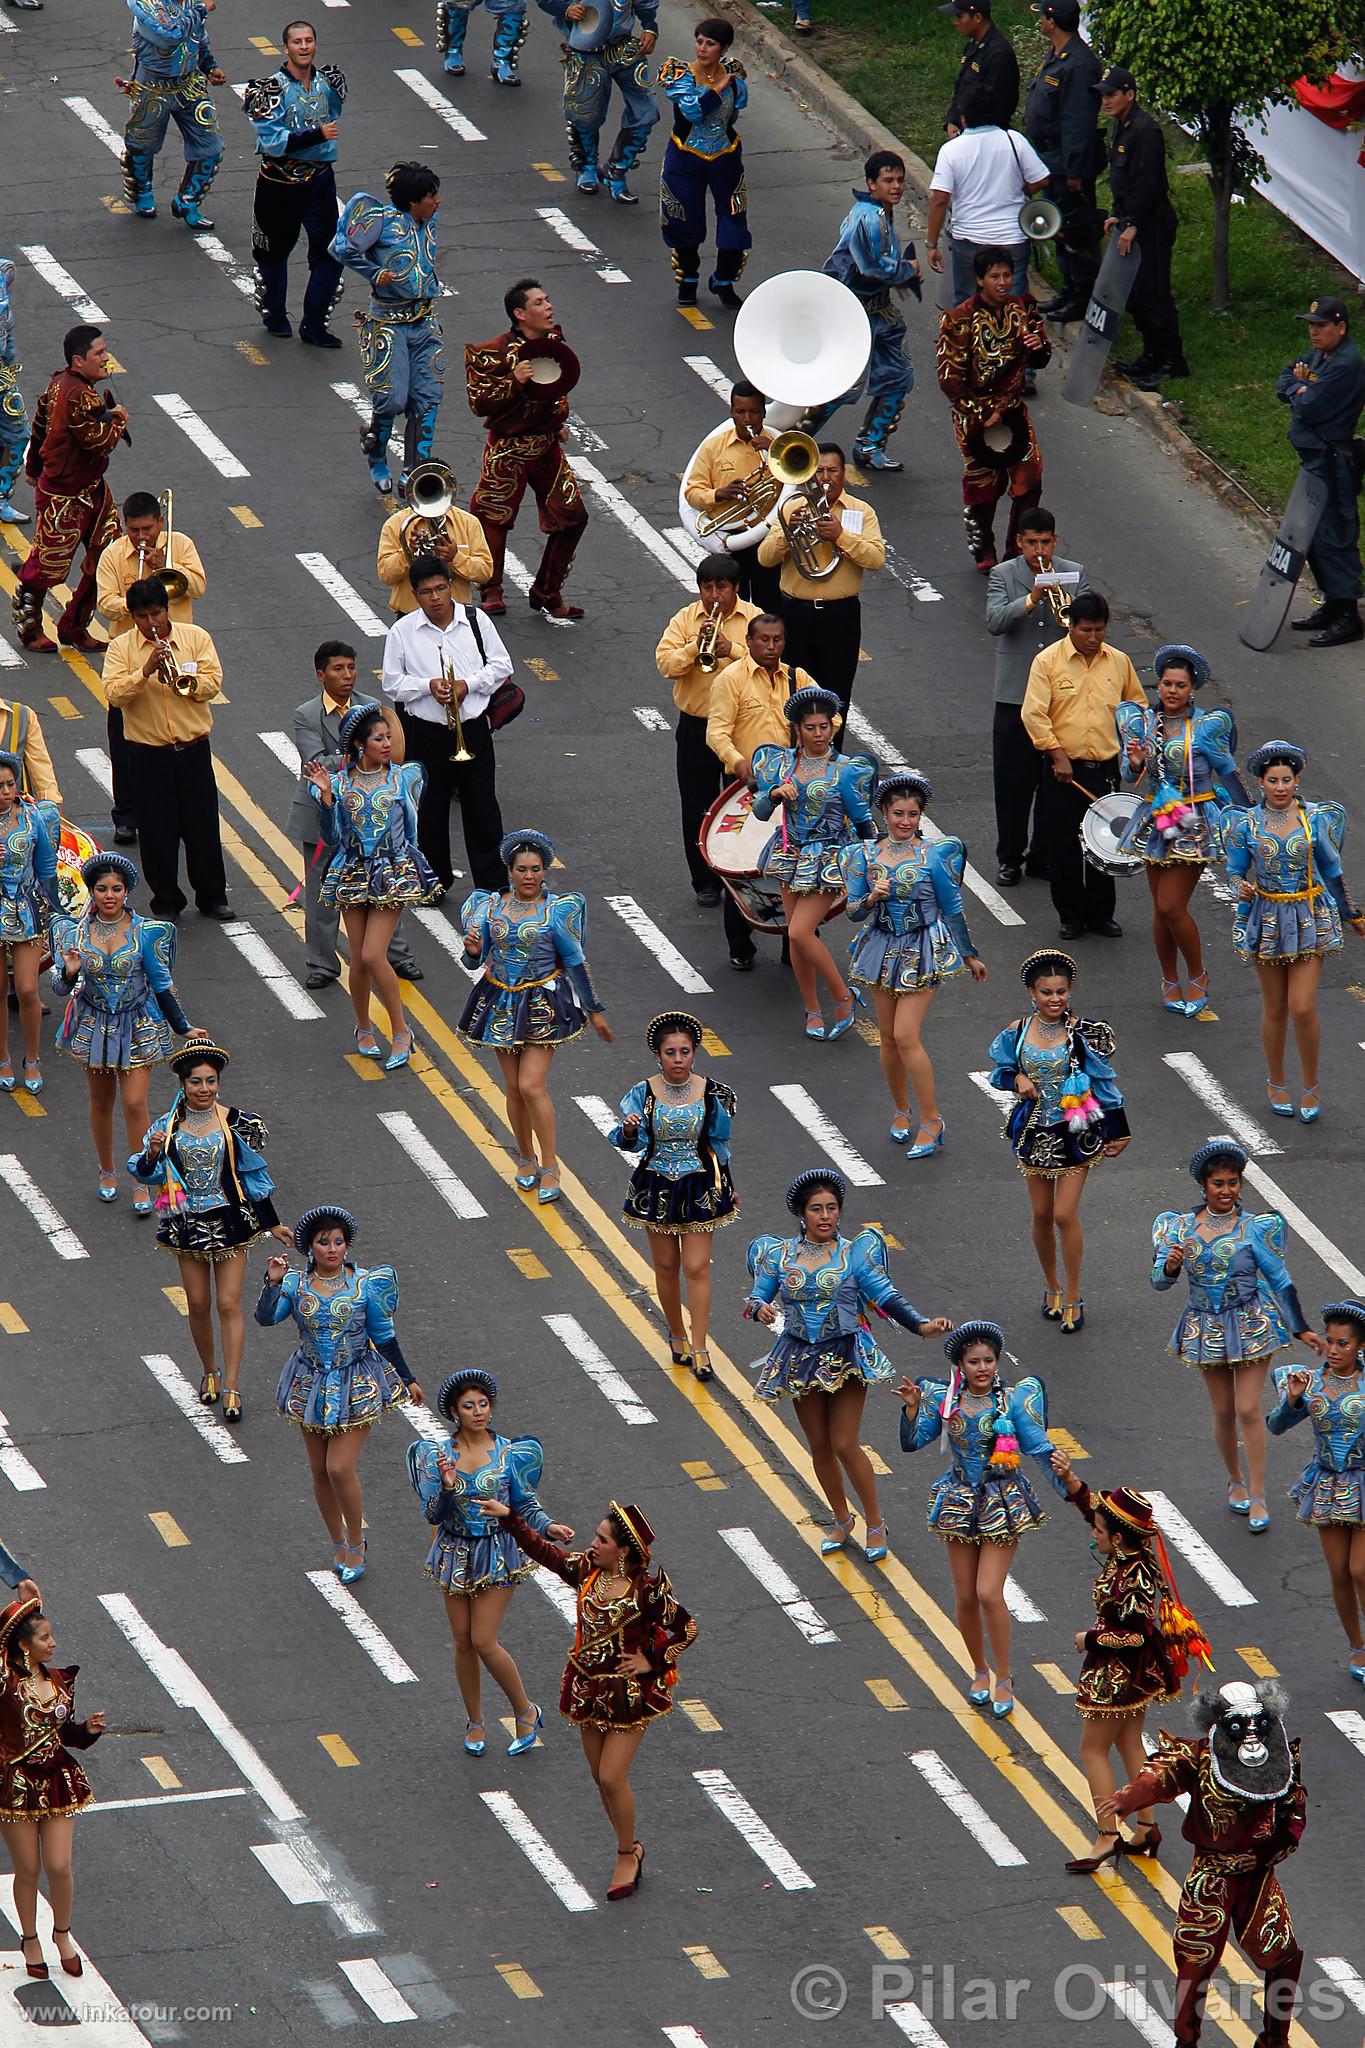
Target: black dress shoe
[(1315, 621), (743, 963), (275, 323), (1008, 875), (1340, 630), (409, 969), (1134, 366), (708, 896), (124, 835), (315, 978), (319, 337), (727, 295), (221, 913), (1160, 373), (1106, 929), (1036, 870), (1071, 931)]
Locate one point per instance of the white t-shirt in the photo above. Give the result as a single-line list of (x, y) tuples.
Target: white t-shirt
[(985, 171)]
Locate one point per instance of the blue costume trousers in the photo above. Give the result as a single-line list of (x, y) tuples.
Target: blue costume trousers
[(13, 429), (588, 79), (405, 367), (683, 185), (509, 33), (189, 104), (889, 380)]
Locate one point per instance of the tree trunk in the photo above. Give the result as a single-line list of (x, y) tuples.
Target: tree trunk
[(1221, 185)]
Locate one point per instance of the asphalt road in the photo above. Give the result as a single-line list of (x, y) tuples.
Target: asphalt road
[(303, 1846)]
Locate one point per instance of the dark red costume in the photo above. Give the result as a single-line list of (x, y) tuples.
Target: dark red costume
[(38, 1779), (1128, 1660), (982, 361), (68, 452), (523, 448)]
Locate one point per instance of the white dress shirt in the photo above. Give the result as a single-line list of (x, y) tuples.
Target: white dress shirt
[(412, 657)]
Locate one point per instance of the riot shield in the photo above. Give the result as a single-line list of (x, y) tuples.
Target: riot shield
[(1101, 322), (1283, 566)]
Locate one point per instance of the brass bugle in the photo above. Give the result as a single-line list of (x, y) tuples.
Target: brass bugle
[(454, 723)]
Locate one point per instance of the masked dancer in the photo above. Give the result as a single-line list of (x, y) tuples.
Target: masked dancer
[(986, 348), (14, 428), (905, 892), (473, 1558), (296, 114), (871, 260), (1284, 854), (1182, 761), (816, 1290), (983, 1503), (347, 1371), (215, 1197), (1069, 1114), (394, 249), (615, 51), (1330, 1491), (533, 994), (29, 836), (173, 68), (74, 435), (509, 33), (704, 154)]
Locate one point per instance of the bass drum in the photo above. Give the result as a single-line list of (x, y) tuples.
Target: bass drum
[(73, 848), (1102, 827), (732, 840), (688, 515)]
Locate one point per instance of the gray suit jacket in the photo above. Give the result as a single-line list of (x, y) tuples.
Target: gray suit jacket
[(317, 739), (1021, 635)]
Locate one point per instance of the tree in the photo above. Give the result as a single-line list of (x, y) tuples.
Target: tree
[(1216, 66)]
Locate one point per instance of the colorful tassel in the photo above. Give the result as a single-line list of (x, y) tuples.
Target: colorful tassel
[(1005, 1455), (1171, 815), (1080, 1108)]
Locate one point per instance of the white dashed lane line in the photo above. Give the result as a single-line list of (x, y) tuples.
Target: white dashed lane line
[(62, 282), (775, 1581), (200, 434), (45, 1214), (988, 1834), (599, 1368), (801, 1104)]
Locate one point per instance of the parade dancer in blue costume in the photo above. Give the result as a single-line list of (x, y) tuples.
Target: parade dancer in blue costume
[(870, 259), (1330, 1491), (818, 1288), (295, 113), (704, 154), (822, 798), (1285, 857), (394, 247), (368, 811), (533, 994), (115, 967), (983, 1503), (677, 1125), (1068, 1116), (1182, 762), (509, 33), (906, 893), (173, 68), (347, 1370), (14, 428), (475, 1561), (30, 832), (1243, 1309), (622, 43)]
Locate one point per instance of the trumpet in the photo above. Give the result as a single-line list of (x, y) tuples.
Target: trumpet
[(454, 723), (707, 635), (170, 671)]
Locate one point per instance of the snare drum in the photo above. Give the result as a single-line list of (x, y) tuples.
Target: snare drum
[(1102, 827), (732, 840)]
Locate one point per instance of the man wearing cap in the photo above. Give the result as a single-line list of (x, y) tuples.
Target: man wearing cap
[(1143, 213), (989, 59), (1325, 394), (1061, 120)]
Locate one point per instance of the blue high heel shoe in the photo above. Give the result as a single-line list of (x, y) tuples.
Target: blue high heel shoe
[(875, 1552), (36, 1084), (899, 1137), (1272, 1089), (935, 1144), (1198, 998), (474, 1748), (350, 1573), (1258, 1524), (831, 1545), (843, 1024), (1307, 1115), (1002, 1709), (107, 1194), (1238, 1507), (8, 1084), (817, 1029), (528, 1173), (979, 1695), (399, 1059), (521, 1743), (549, 1189), (1174, 1003), (373, 1051), (1356, 1670)]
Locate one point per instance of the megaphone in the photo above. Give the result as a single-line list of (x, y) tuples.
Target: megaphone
[(802, 338), (1040, 220)]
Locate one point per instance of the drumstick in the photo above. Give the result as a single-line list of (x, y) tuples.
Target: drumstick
[(1089, 796)]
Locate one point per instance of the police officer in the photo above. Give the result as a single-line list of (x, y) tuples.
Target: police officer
[(1325, 394), (1062, 121), (1143, 213), (989, 59)]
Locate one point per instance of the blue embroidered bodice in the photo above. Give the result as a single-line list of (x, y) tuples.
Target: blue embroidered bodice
[(374, 236), (1231, 1269), (336, 1329), (361, 820), (28, 869), (518, 952), (139, 965), (971, 1437), (926, 885), (281, 106), (170, 39), (1336, 1411), (703, 120), (1281, 866), (833, 806), (831, 1299), (512, 1475), (1210, 737)]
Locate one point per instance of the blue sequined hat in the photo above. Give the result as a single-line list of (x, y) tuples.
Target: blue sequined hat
[(109, 864), (1216, 1148), (365, 709), (1047, 960), (1177, 654), (815, 1176), (978, 1330), (1346, 1312), (12, 762), (811, 698), (459, 1383), (313, 1220), (1275, 752), (905, 782), (539, 842)]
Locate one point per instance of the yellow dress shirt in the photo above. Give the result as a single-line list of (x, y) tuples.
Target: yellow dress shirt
[(676, 654), (724, 457), (155, 715), (117, 573), (1070, 703), (40, 777), (746, 709), (863, 549), (471, 565)]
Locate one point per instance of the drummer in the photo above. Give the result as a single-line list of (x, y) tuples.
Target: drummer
[(698, 642), (1074, 689)]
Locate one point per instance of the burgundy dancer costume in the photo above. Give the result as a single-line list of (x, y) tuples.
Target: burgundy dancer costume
[(68, 453), (523, 449), (38, 1779), (983, 355)]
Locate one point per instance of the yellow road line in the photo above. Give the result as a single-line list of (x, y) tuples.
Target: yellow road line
[(246, 517), (176, 1297), (1053, 1675), (64, 707), (28, 1105), (700, 1715), (549, 173), (1080, 1923), (162, 1772), (527, 1264), (888, 1944), (698, 1469), (341, 1753), (694, 317), (1065, 1441), (168, 1529), (11, 1322), (1257, 1661), (518, 1981), (885, 1694), (705, 1962), (414, 42)]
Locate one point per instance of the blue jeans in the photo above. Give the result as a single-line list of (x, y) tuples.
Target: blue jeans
[(964, 277)]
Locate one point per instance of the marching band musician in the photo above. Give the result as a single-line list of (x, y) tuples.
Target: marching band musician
[(824, 616), (620, 53), (699, 641), (704, 154), (14, 428), (868, 258), (457, 539), (394, 248), (163, 677), (295, 114), (74, 435), (173, 67), (724, 462), (986, 347), (526, 427), (22, 735)]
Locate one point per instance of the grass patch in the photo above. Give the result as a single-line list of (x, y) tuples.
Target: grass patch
[(900, 58)]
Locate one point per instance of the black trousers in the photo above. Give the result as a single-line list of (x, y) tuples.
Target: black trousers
[(757, 585), (1078, 244), (1151, 303), (281, 212), (823, 638), (121, 809), (1080, 893), (176, 800), (474, 782), (1017, 768), (699, 783)]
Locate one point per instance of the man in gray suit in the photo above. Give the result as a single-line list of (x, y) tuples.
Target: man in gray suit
[(317, 723), (1024, 621)]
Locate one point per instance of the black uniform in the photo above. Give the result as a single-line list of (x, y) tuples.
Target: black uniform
[(1325, 413), (1137, 180), (992, 64), (1062, 121)]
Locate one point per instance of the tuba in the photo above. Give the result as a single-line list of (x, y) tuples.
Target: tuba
[(430, 492), (173, 581), (789, 461), (815, 557)]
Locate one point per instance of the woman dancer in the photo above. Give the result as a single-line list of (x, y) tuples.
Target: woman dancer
[(42, 1787), (1330, 1491), (476, 1563), (819, 1286), (29, 835), (216, 1202), (369, 814), (1243, 1308), (823, 799), (532, 995), (1184, 764), (347, 1370), (983, 1503), (1069, 1115), (1285, 856), (907, 894), (623, 1665), (116, 966), (704, 154), (1135, 1655), (677, 1123)]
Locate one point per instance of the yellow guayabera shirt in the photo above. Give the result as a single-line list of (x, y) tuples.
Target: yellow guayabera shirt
[(1070, 702), (470, 565), (676, 654), (155, 715), (746, 709), (724, 457), (860, 544), (117, 573)]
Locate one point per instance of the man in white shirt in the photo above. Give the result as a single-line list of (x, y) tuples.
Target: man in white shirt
[(431, 657), (986, 171)]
